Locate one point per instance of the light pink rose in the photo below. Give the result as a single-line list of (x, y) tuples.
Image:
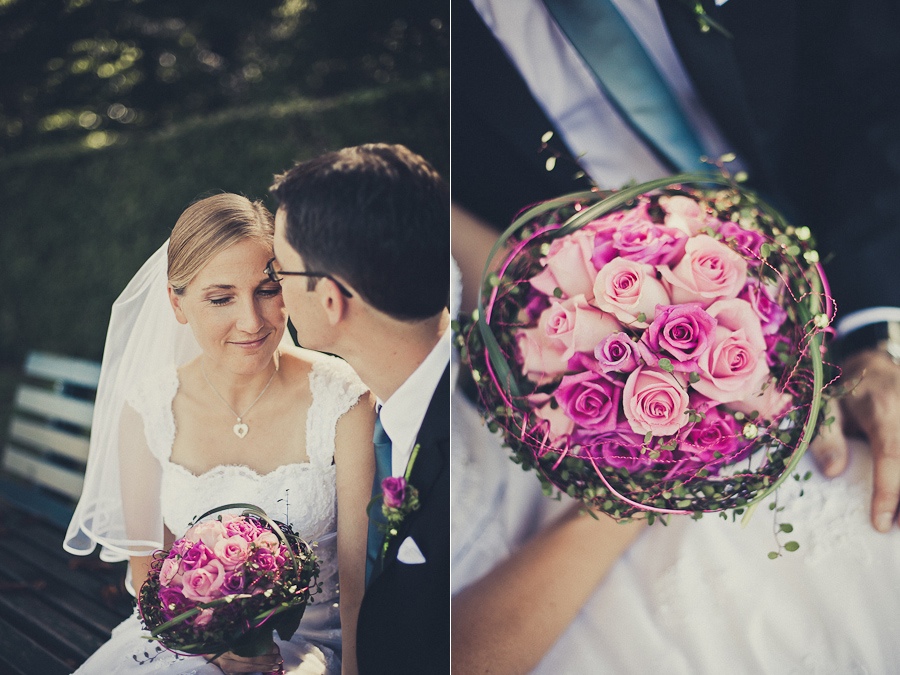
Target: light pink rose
[(735, 366), (654, 401), (763, 298), (559, 425), (204, 617), (650, 243), (685, 214), (576, 325), (770, 402), (606, 227), (628, 290), (709, 271), (232, 551), (568, 266), (542, 357), (268, 540), (168, 573), (240, 525), (745, 241), (209, 532), (203, 584)]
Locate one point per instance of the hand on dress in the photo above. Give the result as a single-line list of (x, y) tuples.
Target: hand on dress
[(871, 409), (229, 662)]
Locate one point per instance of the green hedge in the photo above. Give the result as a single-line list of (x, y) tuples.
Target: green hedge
[(78, 223)]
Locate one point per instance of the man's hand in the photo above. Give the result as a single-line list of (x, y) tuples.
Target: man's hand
[(232, 663), (871, 409)]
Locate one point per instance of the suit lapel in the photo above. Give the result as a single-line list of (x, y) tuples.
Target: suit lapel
[(433, 458)]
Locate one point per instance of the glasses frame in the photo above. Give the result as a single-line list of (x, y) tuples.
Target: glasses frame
[(275, 278)]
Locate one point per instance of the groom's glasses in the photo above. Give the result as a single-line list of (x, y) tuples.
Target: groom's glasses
[(275, 276)]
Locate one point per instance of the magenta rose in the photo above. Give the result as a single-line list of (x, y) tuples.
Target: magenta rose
[(621, 448), (717, 433), (567, 266), (172, 602), (680, 333), (204, 583), (630, 291), (649, 243), (709, 271), (746, 241), (233, 582), (394, 491), (196, 556), (179, 548), (654, 401), (232, 551), (240, 526), (764, 301), (265, 559), (735, 366), (617, 353), (591, 400), (606, 227)]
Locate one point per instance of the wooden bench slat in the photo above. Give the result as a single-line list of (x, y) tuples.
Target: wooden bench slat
[(27, 465), (39, 435), (54, 406), (20, 655), (81, 372)]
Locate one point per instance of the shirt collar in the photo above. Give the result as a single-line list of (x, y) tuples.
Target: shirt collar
[(402, 414)]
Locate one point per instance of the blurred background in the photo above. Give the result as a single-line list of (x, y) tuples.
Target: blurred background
[(116, 114)]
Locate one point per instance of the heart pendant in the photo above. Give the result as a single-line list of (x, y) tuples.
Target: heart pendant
[(240, 429)]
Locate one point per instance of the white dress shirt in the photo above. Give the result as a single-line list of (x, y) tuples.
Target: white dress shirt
[(402, 414)]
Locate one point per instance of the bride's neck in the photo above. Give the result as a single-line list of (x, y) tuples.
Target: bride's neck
[(238, 389)]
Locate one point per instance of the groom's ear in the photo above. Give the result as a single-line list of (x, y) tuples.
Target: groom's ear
[(334, 303), (175, 301)]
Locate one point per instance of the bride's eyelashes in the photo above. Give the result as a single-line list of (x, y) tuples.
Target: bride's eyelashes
[(270, 292)]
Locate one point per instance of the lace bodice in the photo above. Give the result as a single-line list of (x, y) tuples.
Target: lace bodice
[(302, 494)]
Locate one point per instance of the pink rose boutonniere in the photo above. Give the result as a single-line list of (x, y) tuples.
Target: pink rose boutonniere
[(398, 499)]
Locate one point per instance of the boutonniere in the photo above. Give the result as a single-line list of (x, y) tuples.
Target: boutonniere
[(706, 22), (398, 500)]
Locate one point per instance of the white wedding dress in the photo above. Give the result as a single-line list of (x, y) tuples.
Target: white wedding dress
[(302, 494)]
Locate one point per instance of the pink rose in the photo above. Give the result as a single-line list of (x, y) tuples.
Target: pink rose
[(568, 266), (179, 548), (557, 423), (680, 333), (209, 532), (654, 402), (628, 290), (620, 448), (168, 573), (268, 540), (204, 617), (709, 271), (265, 559), (763, 298), (233, 582), (685, 214), (618, 352), (542, 356), (241, 526), (770, 402), (232, 551), (735, 366), (591, 400), (172, 602), (394, 491), (196, 556), (576, 325), (203, 584)]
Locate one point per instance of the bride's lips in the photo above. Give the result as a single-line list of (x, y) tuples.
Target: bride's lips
[(251, 344)]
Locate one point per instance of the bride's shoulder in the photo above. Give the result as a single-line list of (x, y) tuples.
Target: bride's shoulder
[(324, 370)]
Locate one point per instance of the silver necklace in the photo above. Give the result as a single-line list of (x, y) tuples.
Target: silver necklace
[(240, 429)]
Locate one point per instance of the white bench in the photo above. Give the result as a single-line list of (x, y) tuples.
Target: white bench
[(44, 458)]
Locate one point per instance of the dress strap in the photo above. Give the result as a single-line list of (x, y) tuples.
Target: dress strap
[(335, 389)]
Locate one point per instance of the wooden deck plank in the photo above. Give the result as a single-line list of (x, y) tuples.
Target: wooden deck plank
[(20, 655)]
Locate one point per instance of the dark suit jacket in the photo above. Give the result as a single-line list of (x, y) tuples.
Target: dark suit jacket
[(404, 622), (808, 93)]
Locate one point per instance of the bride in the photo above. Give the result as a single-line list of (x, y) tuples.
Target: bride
[(203, 401)]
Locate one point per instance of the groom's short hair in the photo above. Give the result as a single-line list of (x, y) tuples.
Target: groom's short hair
[(378, 216)]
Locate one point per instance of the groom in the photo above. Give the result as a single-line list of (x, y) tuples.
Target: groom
[(368, 227)]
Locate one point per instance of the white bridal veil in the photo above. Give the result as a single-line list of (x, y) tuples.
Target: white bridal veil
[(143, 338)]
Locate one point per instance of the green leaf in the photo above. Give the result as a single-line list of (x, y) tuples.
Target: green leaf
[(786, 527), (773, 555), (666, 365), (791, 546)]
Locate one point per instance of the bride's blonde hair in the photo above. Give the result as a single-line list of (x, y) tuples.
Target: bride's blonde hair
[(208, 227)]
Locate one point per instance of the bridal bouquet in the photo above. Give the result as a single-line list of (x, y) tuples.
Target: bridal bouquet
[(227, 584), (655, 349)]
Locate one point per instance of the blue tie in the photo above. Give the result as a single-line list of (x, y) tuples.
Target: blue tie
[(629, 78), (376, 517)]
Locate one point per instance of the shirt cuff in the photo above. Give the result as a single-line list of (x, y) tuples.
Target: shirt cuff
[(865, 317)]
